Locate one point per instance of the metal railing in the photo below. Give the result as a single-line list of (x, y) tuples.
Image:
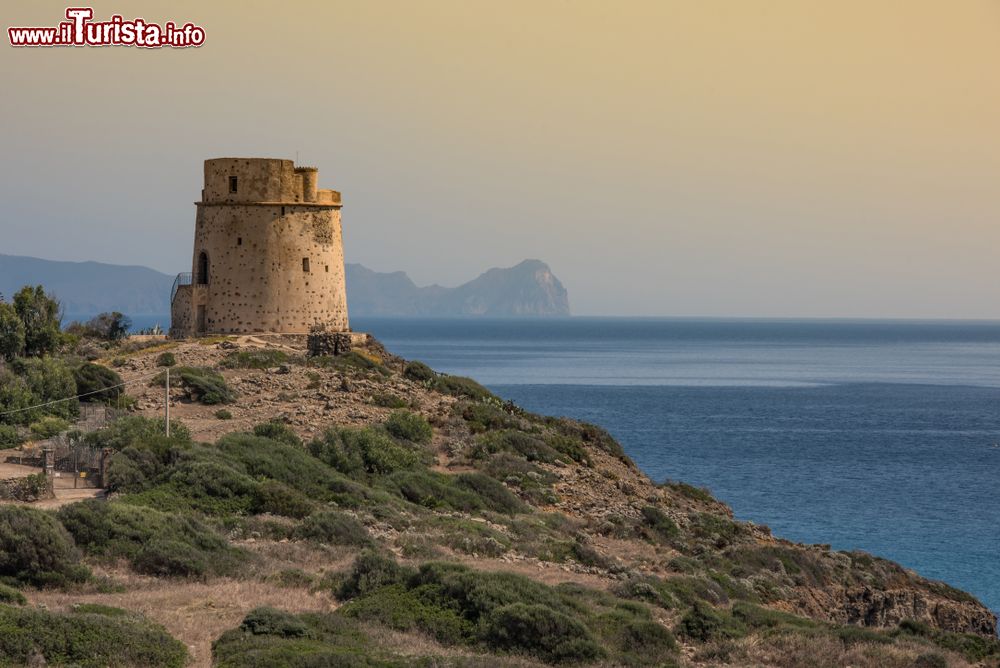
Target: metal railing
[(184, 278)]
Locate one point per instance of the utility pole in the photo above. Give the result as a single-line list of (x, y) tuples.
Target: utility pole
[(166, 403)]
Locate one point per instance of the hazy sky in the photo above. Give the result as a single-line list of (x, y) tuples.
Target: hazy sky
[(762, 158)]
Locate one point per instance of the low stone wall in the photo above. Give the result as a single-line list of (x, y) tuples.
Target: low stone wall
[(328, 343), (30, 488)]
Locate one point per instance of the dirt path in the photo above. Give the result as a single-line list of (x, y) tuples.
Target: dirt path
[(67, 496)]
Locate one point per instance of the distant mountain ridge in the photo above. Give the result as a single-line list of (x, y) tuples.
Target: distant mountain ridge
[(529, 289), (89, 288)]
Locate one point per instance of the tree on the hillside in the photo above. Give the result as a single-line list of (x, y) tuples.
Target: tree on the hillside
[(40, 315), (112, 326), (11, 332), (50, 379)]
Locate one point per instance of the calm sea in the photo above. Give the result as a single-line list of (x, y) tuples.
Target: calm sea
[(880, 436)]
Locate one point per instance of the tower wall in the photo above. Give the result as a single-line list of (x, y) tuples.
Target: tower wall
[(275, 262)]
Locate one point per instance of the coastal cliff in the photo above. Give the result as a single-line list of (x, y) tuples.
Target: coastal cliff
[(373, 508)]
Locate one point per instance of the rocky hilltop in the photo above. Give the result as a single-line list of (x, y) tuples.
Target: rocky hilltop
[(527, 289), (364, 510)]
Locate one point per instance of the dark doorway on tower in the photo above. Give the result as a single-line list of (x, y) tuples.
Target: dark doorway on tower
[(201, 275)]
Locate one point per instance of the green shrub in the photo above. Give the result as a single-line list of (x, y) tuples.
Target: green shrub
[(494, 495), (541, 631), (590, 435), (99, 609), (36, 549), (409, 426), (202, 384), (132, 470), (503, 611), (17, 399), (98, 382), (513, 441), (975, 648), (459, 386), (166, 359), (371, 571), (142, 433), (278, 431), (690, 491), (432, 490), (32, 381), (167, 558), (86, 639), (293, 578), (691, 589), (467, 492), (484, 417), (756, 617), (278, 498), (9, 436), (332, 450), (11, 332), (352, 361), (39, 313), (570, 447), (113, 326), (372, 450), (386, 400), (223, 414), (659, 525), (266, 358), (48, 427), (334, 528), (704, 623), (722, 531), (419, 372), (155, 542), (856, 635), (533, 482), (215, 486), (268, 621), (11, 596)]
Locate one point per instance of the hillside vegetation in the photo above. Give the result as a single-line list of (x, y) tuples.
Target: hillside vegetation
[(367, 511)]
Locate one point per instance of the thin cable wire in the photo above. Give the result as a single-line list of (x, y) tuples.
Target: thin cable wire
[(85, 394)]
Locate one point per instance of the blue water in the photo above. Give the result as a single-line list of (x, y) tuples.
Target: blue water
[(881, 436)]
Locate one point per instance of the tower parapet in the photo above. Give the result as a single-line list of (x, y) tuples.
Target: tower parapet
[(268, 252)]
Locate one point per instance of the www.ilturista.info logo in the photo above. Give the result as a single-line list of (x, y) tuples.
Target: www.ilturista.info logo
[(79, 30)]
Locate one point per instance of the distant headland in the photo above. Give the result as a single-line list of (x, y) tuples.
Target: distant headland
[(528, 289)]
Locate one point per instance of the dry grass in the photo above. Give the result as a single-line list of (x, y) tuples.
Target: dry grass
[(196, 613), (419, 645), (795, 650), (305, 556)]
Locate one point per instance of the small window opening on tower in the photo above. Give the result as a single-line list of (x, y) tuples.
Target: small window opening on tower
[(202, 273), (328, 269), (282, 211), (239, 241), (305, 264), (232, 184)]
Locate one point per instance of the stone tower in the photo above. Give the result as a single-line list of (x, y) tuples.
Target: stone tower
[(268, 253)]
